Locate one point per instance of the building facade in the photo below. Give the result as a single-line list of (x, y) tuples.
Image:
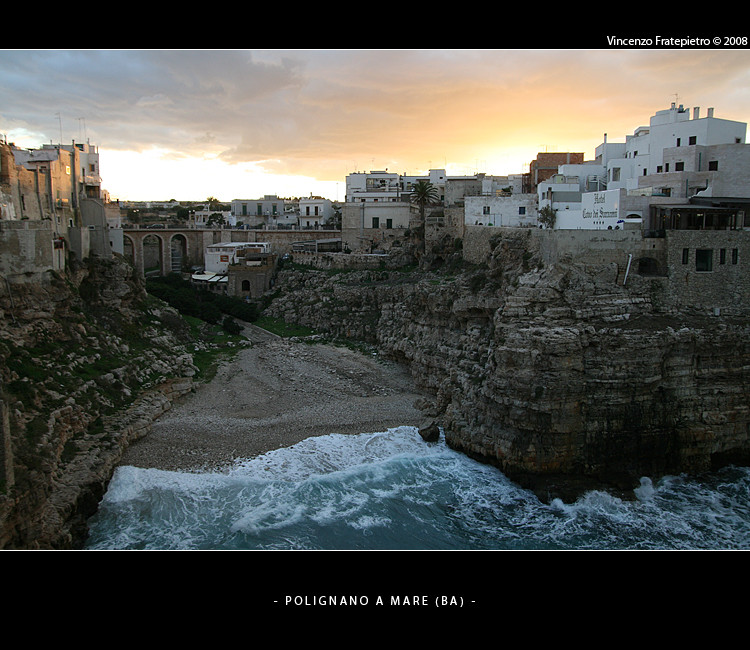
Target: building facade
[(547, 164), (666, 145), (514, 210), (267, 211), (54, 193), (314, 211)]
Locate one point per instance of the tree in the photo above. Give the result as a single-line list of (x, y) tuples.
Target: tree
[(423, 194), (547, 216), (216, 218)]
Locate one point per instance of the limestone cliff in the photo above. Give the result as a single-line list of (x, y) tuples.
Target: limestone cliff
[(87, 360), (558, 374)]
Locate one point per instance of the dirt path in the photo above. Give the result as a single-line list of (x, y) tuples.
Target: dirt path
[(275, 394)]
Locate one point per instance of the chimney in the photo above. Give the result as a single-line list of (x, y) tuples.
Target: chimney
[(696, 112)]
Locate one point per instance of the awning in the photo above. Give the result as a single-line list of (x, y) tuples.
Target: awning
[(208, 277)]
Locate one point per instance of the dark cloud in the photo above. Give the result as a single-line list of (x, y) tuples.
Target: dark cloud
[(323, 111)]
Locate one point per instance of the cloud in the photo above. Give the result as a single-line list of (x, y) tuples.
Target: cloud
[(323, 113)]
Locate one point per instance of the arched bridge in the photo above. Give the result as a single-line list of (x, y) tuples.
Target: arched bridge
[(171, 250), (165, 251)]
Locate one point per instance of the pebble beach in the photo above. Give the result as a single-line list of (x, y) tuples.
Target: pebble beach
[(273, 394)]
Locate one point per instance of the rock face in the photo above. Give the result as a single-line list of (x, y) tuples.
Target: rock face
[(87, 362), (561, 376)]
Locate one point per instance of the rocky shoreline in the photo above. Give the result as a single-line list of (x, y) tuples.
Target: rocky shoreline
[(274, 394)]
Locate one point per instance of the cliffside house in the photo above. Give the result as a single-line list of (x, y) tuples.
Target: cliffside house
[(51, 204), (242, 269)]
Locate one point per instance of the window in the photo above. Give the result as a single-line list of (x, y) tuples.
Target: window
[(685, 255), (679, 167), (722, 256), (704, 258), (521, 209), (666, 167), (713, 165), (692, 140), (389, 223), (645, 171), (734, 256), (659, 169), (615, 174), (678, 142), (486, 209), (376, 222)]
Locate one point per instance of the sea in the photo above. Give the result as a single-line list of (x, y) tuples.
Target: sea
[(391, 490)]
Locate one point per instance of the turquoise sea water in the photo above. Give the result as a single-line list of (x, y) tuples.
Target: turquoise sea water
[(391, 490)]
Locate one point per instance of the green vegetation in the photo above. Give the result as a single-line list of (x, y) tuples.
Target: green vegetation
[(282, 328), (199, 303), (547, 216), (213, 343)]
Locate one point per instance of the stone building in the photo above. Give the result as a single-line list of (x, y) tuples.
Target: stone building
[(240, 269), (252, 276), (51, 204)]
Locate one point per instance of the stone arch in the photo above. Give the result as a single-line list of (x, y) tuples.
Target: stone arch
[(128, 248), (153, 255), (178, 248)]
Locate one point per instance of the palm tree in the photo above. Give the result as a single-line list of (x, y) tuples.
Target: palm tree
[(423, 194)]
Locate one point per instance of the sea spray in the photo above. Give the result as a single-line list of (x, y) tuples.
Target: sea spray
[(391, 490)]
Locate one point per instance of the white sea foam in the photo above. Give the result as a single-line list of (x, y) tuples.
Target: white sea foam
[(390, 489)]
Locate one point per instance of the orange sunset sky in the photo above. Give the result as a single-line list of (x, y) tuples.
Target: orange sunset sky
[(188, 124)]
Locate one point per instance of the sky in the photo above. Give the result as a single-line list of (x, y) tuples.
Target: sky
[(241, 124)]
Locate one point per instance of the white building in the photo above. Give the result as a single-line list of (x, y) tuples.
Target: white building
[(218, 257), (389, 187), (373, 187), (564, 192), (267, 210), (513, 210), (644, 152), (202, 217), (314, 212), (666, 164)]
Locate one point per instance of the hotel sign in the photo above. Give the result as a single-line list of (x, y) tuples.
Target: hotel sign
[(601, 209)]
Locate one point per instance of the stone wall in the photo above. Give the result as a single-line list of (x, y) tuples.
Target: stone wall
[(589, 247), (27, 250), (703, 278), (346, 261)]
